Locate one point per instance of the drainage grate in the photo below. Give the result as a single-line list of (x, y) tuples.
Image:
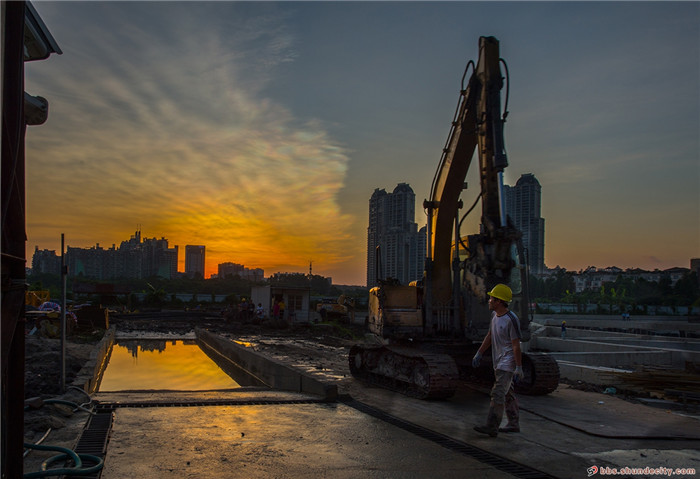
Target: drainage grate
[(93, 440), (500, 463)]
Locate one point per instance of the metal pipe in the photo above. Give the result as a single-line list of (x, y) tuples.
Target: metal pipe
[(428, 286), (455, 267), (501, 203), (63, 314)]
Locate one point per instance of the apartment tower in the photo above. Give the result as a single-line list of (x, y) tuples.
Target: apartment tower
[(393, 229), (194, 260), (523, 203)]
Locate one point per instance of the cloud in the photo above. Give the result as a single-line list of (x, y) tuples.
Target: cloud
[(176, 135)]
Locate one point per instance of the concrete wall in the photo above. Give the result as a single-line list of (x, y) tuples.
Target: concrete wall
[(90, 375), (270, 372)]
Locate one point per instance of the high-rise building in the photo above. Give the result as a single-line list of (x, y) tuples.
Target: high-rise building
[(194, 260), (235, 269), (46, 261), (230, 269), (133, 259), (523, 203), (158, 259), (393, 229)]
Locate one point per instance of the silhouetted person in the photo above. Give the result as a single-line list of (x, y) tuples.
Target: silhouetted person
[(276, 310)]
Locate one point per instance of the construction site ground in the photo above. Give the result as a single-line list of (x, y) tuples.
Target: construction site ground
[(289, 435)]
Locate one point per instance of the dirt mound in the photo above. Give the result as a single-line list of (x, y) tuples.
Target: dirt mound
[(42, 365)]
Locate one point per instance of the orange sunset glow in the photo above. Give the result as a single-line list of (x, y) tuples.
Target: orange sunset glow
[(261, 129)]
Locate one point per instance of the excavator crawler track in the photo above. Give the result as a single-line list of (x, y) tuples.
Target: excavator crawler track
[(412, 372), (425, 374), (541, 375)]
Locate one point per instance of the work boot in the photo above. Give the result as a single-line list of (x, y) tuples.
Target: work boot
[(513, 414), (493, 420)]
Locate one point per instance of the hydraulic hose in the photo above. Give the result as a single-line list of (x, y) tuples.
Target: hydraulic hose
[(77, 470), (46, 434)]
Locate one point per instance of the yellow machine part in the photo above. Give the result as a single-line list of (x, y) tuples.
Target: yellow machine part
[(399, 305), (36, 298)]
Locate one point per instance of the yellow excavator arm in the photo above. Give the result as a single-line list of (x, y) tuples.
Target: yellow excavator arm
[(478, 123)]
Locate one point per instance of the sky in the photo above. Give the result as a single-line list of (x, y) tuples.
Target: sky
[(261, 129)]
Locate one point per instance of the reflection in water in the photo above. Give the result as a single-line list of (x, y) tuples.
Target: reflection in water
[(159, 364)]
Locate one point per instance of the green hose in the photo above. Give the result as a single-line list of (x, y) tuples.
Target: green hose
[(76, 470)]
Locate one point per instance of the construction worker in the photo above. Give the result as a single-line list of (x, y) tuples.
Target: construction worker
[(504, 339)]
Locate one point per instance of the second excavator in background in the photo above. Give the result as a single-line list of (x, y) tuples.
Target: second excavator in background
[(430, 329)]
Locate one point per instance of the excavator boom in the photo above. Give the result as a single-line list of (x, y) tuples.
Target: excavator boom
[(471, 128)]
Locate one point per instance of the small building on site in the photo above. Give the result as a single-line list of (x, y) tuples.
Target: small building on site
[(296, 300)]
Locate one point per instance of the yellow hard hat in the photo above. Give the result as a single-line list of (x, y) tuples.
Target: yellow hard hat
[(502, 292)]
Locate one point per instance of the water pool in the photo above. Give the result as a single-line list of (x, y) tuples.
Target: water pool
[(163, 364)]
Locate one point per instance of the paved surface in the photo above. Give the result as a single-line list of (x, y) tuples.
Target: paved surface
[(563, 434), (283, 441), (562, 447)]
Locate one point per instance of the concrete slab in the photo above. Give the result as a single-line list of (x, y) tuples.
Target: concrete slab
[(562, 448), (457, 416), (608, 416), (282, 441)]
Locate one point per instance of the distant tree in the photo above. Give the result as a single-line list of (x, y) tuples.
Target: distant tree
[(553, 288), (155, 297), (665, 287), (686, 288), (290, 279)]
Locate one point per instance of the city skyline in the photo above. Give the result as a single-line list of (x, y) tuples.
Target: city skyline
[(95, 261), (260, 129), (49, 261)]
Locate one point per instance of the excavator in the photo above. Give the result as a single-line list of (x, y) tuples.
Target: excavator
[(429, 330)]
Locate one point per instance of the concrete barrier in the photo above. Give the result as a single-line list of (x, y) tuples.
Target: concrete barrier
[(628, 359), (602, 376), (635, 326), (272, 373), (676, 358)]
